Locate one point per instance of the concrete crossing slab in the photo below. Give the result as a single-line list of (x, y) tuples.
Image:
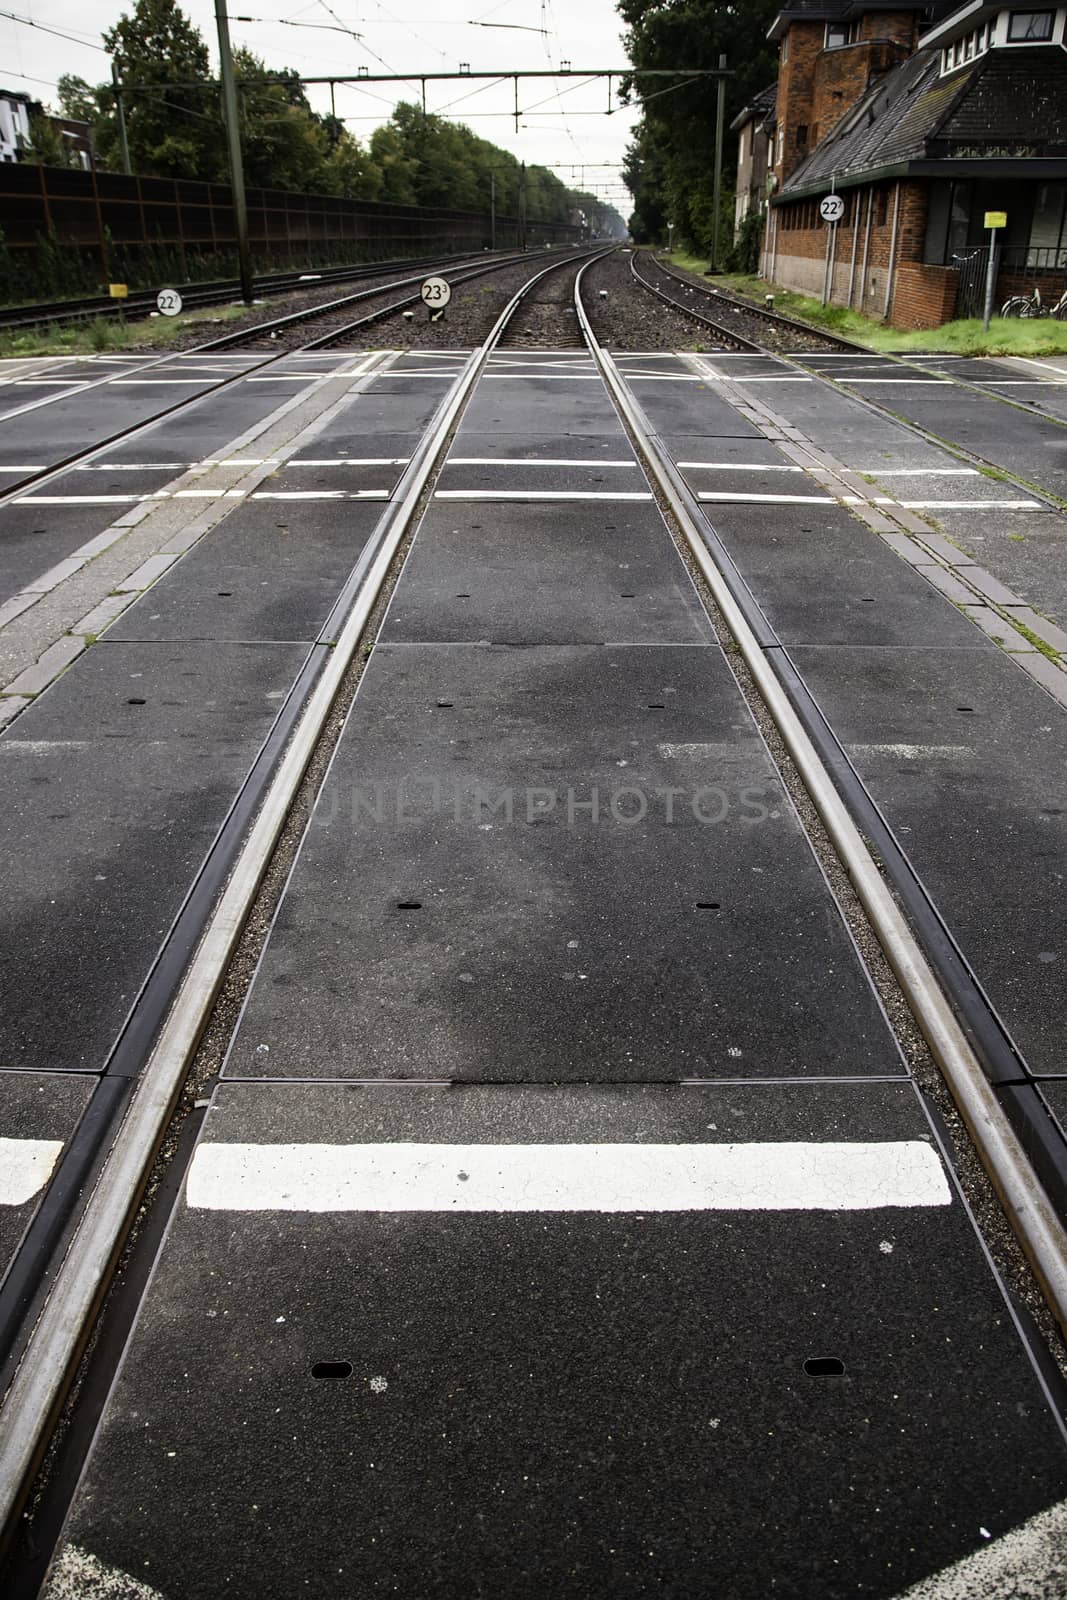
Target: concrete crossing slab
[(553, 864), (823, 577), (626, 1400), (964, 755), (133, 757), (556, 573), (38, 1114), (270, 571)]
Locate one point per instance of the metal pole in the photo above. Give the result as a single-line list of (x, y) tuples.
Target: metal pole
[(522, 210), (716, 188), (990, 279), (892, 257), (124, 143), (233, 140), (492, 211)]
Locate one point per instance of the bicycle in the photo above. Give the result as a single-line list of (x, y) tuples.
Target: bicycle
[(1022, 305)]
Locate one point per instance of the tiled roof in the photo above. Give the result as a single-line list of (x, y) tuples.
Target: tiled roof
[(913, 114), (891, 122), (759, 108)]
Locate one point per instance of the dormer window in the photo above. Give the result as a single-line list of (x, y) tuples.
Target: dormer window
[(1030, 27), (836, 35)]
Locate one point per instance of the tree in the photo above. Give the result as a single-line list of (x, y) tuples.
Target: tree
[(671, 161), (172, 132), (46, 146)]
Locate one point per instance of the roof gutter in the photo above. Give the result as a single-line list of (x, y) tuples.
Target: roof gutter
[(1032, 168)]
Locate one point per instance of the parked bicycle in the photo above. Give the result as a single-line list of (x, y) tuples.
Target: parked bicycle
[(1032, 305)]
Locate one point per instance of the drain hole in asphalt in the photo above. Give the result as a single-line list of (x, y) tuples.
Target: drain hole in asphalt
[(136, 702), (966, 708), (224, 594), (708, 905), (332, 1369), (867, 599), (463, 597), (656, 705), (445, 703), (409, 905), (824, 1367), (629, 594)]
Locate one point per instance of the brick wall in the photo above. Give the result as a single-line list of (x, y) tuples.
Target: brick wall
[(902, 27), (922, 296), (841, 77), (796, 93)]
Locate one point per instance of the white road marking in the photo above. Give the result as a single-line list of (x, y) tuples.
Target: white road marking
[(949, 381), (554, 377), (321, 494), (798, 1176), (754, 378), (1027, 1563), (346, 461), (79, 1575), (535, 494), (539, 461), (915, 752), (734, 466), (25, 1167), (769, 499), (1032, 361)]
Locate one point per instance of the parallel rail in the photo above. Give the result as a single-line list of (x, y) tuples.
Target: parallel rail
[(80, 1282)]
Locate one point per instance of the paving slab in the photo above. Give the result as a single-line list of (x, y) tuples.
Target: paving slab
[(691, 408), (630, 1401), (38, 1113), (965, 756), (270, 571), (546, 406), (822, 576), (112, 787), (425, 932), (1027, 550), (556, 573), (34, 538)]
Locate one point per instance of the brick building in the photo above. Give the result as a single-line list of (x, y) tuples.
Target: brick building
[(754, 127), (922, 118)]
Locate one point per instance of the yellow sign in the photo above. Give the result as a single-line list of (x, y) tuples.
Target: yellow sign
[(996, 219), (118, 291)]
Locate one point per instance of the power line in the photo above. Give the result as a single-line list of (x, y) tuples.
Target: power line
[(42, 27)]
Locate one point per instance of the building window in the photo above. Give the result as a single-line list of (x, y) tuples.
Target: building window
[(784, 57), (802, 136), (836, 35), (1030, 27)]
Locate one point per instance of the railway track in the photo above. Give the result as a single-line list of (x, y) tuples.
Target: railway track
[(737, 326), (549, 320), (142, 303)]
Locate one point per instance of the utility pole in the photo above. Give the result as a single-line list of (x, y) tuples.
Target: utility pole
[(716, 189), (522, 209), (492, 210), (233, 140), (124, 143)]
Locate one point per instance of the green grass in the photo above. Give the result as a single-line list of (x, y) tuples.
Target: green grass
[(102, 334), (1006, 337)]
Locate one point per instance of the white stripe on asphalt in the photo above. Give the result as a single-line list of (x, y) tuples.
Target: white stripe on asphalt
[(949, 381), (1028, 1562), (535, 494), (540, 461), (25, 1167), (321, 494), (345, 461), (770, 499), (799, 1176), (734, 466), (554, 377)]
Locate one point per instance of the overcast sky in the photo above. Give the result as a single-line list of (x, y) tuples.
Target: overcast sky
[(561, 124)]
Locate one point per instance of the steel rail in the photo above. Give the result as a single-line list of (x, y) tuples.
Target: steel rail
[(39, 1386), (210, 292), (765, 314), (1027, 1205), (849, 346), (45, 475)]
